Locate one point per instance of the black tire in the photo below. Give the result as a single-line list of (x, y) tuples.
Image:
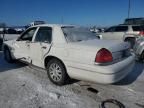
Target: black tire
[(142, 57), (7, 55), (59, 76)]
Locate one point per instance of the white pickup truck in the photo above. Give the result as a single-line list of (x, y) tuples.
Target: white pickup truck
[(67, 51)]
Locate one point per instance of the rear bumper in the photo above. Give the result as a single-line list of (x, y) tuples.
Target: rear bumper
[(102, 74)]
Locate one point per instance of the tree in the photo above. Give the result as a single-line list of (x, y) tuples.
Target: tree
[(2, 25)]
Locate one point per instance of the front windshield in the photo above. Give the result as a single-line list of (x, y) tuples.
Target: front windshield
[(75, 34)]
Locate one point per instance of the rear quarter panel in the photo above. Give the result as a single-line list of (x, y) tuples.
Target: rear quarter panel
[(81, 54), (68, 53)]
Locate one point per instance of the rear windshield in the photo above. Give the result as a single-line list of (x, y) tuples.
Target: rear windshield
[(138, 28), (75, 34)]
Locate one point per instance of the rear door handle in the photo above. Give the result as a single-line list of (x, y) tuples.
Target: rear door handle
[(44, 47)]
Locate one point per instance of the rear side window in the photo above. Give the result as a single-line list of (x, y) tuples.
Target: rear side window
[(44, 35), (121, 28), (136, 28)]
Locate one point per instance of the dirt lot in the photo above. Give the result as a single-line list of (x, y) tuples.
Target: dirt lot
[(22, 86)]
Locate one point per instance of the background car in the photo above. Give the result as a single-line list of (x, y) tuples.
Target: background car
[(37, 23), (123, 33)]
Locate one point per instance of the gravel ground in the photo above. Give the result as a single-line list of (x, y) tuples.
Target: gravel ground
[(22, 86)]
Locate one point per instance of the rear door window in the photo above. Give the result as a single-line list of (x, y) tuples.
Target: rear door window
[(44, 34)]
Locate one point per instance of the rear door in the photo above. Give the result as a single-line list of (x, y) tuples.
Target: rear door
[(40, 45)]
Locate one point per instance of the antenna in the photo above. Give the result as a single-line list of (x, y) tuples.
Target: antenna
[(129, 8)]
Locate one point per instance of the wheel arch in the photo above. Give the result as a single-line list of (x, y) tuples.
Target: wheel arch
[(48, 58)]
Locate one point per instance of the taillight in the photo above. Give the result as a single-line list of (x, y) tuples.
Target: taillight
[(141, 33), (103, 56)]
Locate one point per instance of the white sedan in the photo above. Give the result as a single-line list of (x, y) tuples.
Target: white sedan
[(67, 51)]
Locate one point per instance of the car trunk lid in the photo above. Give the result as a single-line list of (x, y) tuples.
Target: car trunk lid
[(118, 49)]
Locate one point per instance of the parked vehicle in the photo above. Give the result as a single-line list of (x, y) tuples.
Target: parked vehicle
[(123, 33), (10, 31), (36, 23), (139, 48), (67, 51)]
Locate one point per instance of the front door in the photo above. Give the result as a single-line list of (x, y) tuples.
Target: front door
[(22, 45), (40, 45)]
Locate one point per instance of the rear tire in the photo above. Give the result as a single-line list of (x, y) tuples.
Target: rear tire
[(7, 56), (56, 72)]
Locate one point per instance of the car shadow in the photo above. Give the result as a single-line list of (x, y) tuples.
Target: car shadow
[(132, 76), (4, 66)]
